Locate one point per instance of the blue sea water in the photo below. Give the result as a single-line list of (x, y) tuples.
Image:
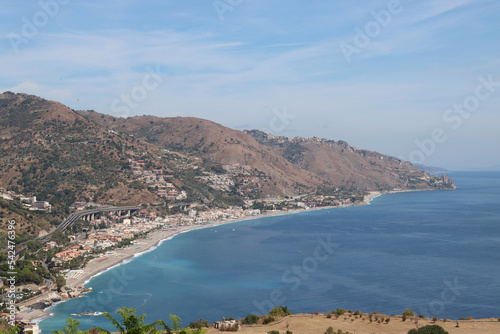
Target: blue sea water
[(436, 252)]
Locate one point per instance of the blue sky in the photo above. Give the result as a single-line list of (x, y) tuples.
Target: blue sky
[(382, 75)]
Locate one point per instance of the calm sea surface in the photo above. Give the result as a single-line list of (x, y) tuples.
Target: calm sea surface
[(437, 253)]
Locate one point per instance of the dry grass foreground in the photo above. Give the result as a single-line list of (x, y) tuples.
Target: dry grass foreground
[(317, 324)]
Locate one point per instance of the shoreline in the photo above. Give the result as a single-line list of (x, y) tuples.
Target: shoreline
[(156, 238), (118, 257)]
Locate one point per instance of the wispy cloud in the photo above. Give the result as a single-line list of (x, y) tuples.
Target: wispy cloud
[(263, 54)]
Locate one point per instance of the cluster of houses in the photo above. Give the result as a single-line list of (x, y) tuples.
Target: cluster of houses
[(244, 176), (158, 179), (217, 181), (237, 169), (30, 203), (129, 227), (103, 238)]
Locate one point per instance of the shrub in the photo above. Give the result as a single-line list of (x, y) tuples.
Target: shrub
[(250, 319), (340, 311), (268, 320), (409, 313), (429, 329), (434, 319), (279, 311), (387, 320), (329, 330), (199, 324), (273, 332), (421, 316)]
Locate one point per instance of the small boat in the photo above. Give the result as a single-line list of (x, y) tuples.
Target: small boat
[(90, 313)]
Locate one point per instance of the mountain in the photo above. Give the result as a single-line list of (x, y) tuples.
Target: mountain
[(214, 142), (350, 167), (49, 151), (298, 164), (64, 156)]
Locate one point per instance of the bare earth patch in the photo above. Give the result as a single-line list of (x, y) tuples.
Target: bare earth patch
[(317, 324)]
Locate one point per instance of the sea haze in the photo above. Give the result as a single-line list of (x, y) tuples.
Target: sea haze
[(435, 252)]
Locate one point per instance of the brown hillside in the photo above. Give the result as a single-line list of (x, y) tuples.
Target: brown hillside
[(215, 142), (298, 163)]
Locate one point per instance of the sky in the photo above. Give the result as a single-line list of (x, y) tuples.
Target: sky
[(418, 80)]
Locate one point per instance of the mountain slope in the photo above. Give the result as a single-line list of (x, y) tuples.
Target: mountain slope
[(212, 141), (350, 167), (49, 150), (293, 164)]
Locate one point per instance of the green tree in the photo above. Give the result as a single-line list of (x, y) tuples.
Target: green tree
[(429, 329), (279, 311), (60, 281), (251, 319), (175, 322), (12, 330), (131, 324), (408, 313), (70, 328)]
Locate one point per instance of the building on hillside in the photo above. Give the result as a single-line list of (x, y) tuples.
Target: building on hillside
[(26, 326), (32, 204)]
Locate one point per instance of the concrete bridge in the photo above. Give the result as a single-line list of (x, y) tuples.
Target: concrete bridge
[(86, 215), (91, 214)]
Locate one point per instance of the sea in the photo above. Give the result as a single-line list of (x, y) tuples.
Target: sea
[(435, 252)]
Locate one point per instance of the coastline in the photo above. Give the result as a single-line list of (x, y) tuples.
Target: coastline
[(122, 255), (115, 258)]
